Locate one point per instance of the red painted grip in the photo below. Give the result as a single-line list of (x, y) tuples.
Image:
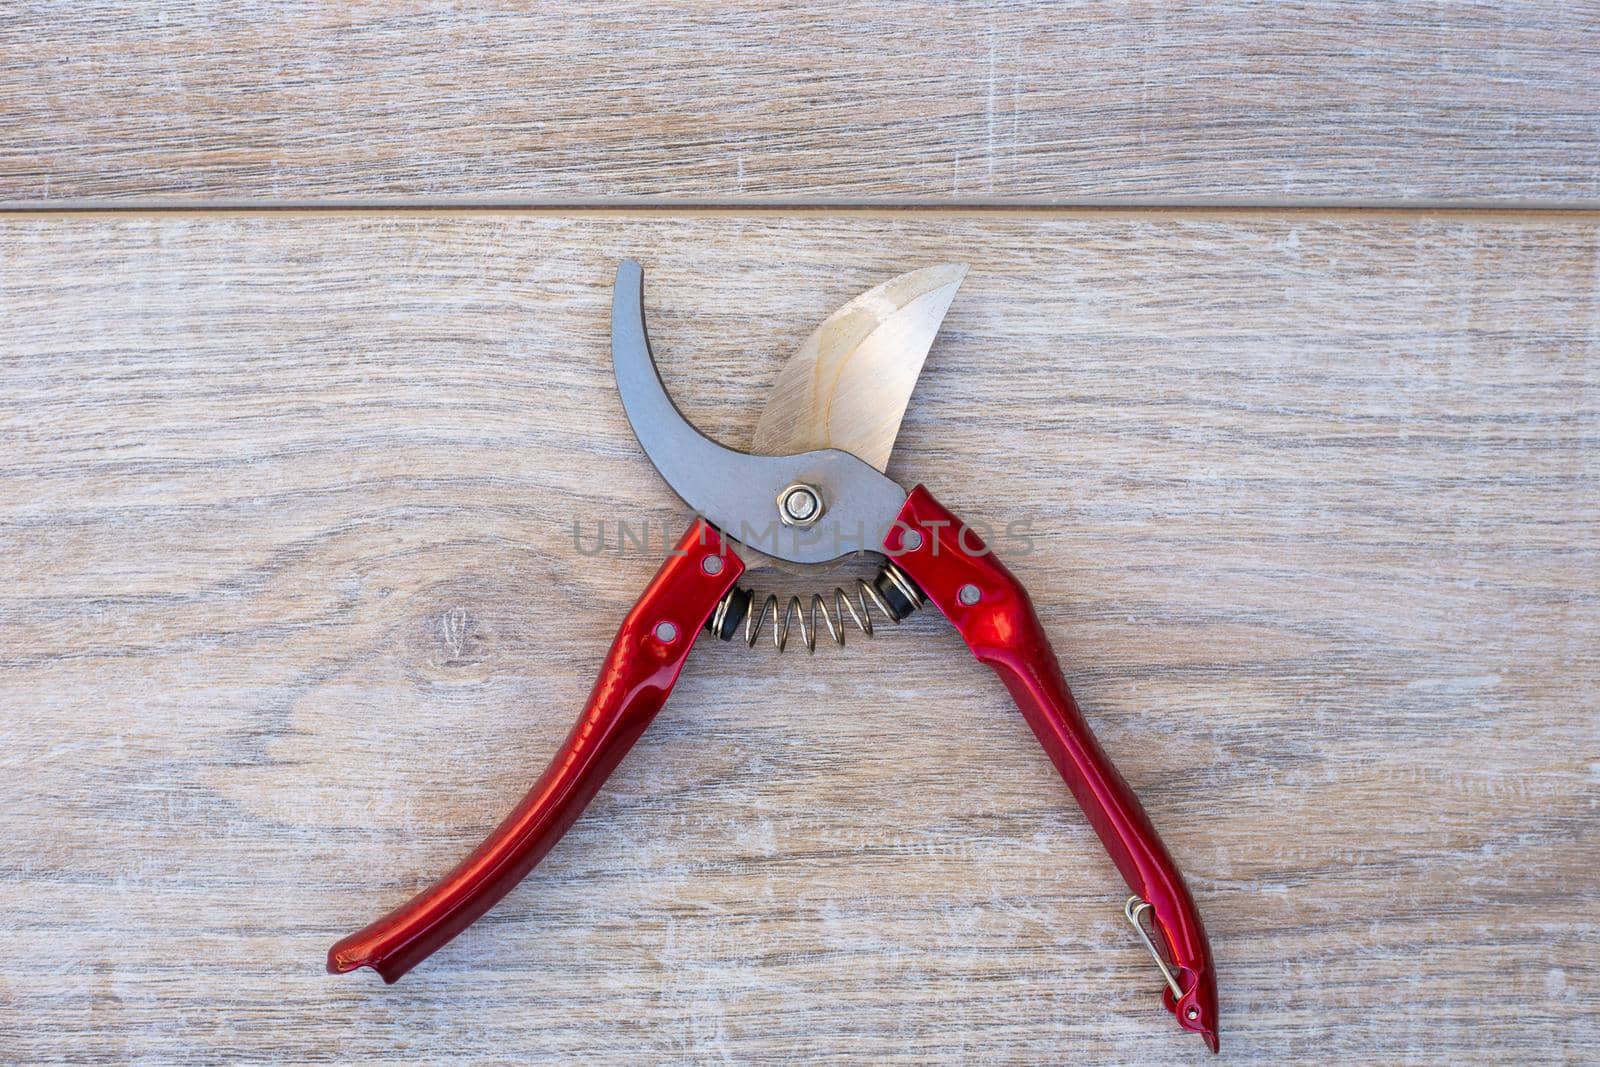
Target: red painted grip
[(639, 672), (993, 614)]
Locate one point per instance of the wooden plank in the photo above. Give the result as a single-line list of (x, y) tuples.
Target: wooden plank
[(1325, 102), (291, 611)]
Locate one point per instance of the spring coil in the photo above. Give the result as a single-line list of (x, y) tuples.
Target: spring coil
[(892, 593)]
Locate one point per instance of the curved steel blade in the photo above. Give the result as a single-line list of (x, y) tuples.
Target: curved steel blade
[(848, 385), (736, 491)]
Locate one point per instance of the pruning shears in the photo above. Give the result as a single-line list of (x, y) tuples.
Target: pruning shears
[(810, 492)]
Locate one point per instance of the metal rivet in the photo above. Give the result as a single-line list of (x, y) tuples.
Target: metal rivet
[(800, 505), (911, 541), (1193, 1013), (711, 564), (666, 632), (969, 594)]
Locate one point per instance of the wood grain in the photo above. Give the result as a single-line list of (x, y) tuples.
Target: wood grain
[(291, 611), (868, 100)]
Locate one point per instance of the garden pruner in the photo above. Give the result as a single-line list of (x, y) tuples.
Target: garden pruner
[(811, 491)]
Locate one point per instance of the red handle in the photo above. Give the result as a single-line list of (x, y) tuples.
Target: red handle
[(991, 610), (639, 672)]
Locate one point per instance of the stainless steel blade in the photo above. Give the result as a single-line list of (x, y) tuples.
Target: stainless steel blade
[(848, 385), (739, 492)]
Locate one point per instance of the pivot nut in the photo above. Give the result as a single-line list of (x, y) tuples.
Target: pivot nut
[(800, 505)]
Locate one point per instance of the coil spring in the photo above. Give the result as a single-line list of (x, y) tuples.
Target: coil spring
[(892, 592)]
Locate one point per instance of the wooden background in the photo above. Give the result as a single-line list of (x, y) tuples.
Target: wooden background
[(291, 609)]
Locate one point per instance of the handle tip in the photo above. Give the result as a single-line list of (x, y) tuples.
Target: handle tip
[(351, 955)]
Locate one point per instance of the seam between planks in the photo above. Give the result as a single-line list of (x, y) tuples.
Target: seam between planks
[(1497, 211)]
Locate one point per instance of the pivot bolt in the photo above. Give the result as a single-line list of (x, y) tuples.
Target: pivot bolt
[(800, 505)]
